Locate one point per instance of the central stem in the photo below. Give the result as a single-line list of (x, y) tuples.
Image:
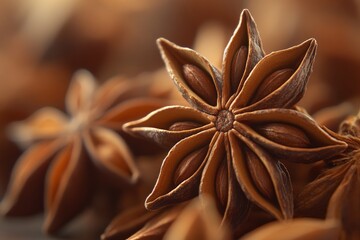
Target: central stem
[(224, 121)]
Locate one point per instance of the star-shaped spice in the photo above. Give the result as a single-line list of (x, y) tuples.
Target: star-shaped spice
[(241, 123), (300, 228), (199, 220), (191, 220), (65, 154), (336, 192), (139, 223)]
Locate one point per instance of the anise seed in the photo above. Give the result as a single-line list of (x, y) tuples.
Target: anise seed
[(260, 176), (271, 83), (185, 125), (238, 65), (189, 165), (222, 184), (285, 134), (200, 82)]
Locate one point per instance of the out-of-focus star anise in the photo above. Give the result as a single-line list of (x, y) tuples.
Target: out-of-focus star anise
[(332, 117), (199, 220), (336, 191), (65, 153), (300, 228), (191, 220), (242, 122), (139, 223)]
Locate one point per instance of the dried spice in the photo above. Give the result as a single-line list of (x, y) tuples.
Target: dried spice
[(335, 193), (241, 123), (332, 117), (128, 222), (302, 228), (64, 152), (44, 43), (158, 226), (132, 215), (336, 71), (199, 220), (192, 220)]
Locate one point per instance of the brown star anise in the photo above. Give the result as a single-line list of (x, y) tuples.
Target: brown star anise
[(151, 225), (56, 168), (300, 228), (336, 191), (241, 124), (191, 220), (131, 221), (199, 220)]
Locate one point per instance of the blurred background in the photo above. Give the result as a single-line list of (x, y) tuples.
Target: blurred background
[(42, 43)]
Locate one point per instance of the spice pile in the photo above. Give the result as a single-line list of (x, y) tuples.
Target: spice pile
[(203, 148)]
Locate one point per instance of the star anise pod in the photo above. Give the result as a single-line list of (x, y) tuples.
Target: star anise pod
[(241, 123), (332, 117), (336, 191), (156, 226), (130, 221), (199, 220), (64, 153), (132, 215), (300, 228), (192, 220)]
